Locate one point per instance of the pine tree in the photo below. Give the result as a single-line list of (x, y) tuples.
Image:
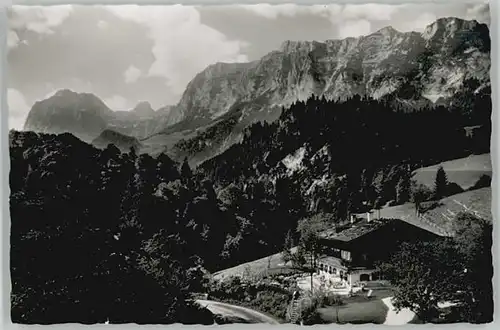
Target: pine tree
[(186, 169), (403, 188), (310, 230), (440, 184)]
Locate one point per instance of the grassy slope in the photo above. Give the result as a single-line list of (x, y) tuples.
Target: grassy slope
[(256, 267), (475, 201), (464, 171), (478, 201)]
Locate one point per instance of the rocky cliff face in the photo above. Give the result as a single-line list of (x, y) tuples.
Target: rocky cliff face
[(423, 67), (444, 65)]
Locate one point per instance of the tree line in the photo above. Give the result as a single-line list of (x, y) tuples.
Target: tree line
[(363, 150)]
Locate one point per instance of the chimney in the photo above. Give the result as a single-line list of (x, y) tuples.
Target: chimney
[(368, 216), (352, 219)]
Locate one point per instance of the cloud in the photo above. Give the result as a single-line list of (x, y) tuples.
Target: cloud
[(12, 39), (183, 46), (39, 19), (348, 20), (132, 74), (102, 25), (479, 12), (116, 102), (354, 28), (376, 12), (418, 24), (273, 11), (18, 109), (357, 20), (361, 19), (291, 10), (372, 12)]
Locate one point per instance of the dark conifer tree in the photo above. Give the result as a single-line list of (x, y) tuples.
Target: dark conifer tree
[(186, 169), (440, 184)]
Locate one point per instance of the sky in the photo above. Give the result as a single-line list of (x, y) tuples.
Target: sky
[(128, 54)]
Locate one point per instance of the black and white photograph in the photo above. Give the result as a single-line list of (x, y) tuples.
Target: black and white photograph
[(250, 163)]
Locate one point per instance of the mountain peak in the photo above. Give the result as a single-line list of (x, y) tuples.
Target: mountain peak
[(451, 34), (143, 108), (452, 20), (448, 25), (82, 114), (64, 97), (388, 30), (65, 92)]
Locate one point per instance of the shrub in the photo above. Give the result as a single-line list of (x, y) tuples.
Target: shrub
[(261, 296), (310, 315), (453, 189), (273, 303), (322, 297), (330, 300), (483, 182), (419, 194)]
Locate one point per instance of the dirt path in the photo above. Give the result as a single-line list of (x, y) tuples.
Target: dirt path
[(244, 313), (397, 318)]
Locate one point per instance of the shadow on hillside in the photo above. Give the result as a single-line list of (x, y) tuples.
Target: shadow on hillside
[(429, 206)]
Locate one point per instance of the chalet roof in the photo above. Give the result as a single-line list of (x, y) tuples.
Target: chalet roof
[(355, 231)]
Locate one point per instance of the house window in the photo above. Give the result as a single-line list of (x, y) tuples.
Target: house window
[(346, 255), (341, 273), (334, 271)]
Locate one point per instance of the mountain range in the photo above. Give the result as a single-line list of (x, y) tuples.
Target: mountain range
[(443, 65), (86, 116)]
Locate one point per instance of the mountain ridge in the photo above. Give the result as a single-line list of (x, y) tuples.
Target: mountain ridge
[(86, 116), (410, 69), (121, 141), (354, 56)]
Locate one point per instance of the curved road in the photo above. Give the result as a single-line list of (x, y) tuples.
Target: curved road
[(244, 313), (397, 318)]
